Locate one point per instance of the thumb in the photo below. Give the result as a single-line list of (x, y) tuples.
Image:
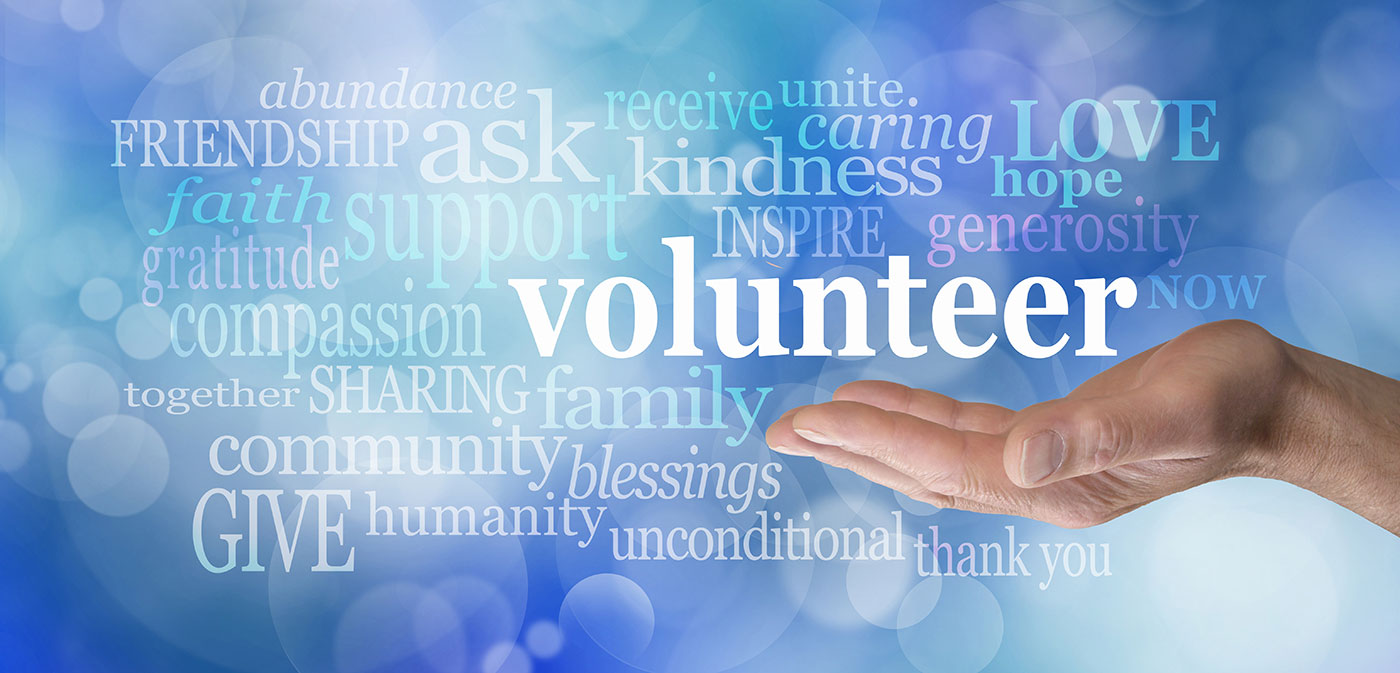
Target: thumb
[(1068, 438)]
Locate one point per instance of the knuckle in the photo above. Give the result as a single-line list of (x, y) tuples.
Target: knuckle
[(1102, 436), (956, 410), (1243, 330), (1233, 329), (1241, 337), (907, 399)]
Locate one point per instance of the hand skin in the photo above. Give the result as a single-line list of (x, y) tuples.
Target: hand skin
[(1222, 400)]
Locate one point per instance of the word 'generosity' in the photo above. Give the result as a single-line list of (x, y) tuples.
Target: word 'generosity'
[(546, 324)]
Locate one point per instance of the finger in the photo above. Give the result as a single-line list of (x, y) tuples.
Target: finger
[(927, 405), (959, 469), (962, 464), (1073, 437), (782, 438)]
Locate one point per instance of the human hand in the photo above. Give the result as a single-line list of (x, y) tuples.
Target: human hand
[(1224, 399)]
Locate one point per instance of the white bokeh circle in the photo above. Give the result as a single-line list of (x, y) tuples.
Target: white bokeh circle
[(143, 332), (612, 610), (118, 465), (100, 299), (78, 394)]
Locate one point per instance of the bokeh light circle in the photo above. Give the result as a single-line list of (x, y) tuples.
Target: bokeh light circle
[(544, 639), (1271, 153), (81, 15), (398, 626), (1228, 580), (612, 610), (78, 394), (506, 658), (1147, 114), (877, 587), (118, 465), (961, 634), (1359, 56), (143, 332), (18, 377), (100, 299)]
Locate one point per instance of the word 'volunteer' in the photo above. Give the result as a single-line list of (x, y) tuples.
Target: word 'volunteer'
[(546, 323)]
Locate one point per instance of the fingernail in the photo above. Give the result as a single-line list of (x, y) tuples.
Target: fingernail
[(814, 436), (1041, 455), (788, 450)]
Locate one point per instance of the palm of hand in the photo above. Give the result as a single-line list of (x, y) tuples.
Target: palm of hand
[(1197, 408)]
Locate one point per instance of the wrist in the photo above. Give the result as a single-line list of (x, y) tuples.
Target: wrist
[(1337, 434), (1304, 423)]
